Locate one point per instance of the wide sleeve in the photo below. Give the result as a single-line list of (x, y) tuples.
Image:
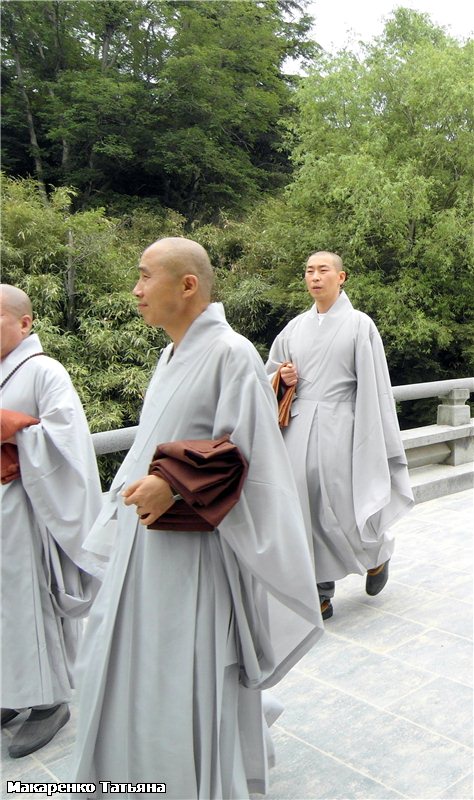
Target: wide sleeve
[(279, 353), (58, 466), (381, 484), (267, 553), (13, 421), (207, 473), (10, 423)]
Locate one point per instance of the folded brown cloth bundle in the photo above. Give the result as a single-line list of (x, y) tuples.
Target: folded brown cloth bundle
[(285, 395), (208, 474), (10, 423)]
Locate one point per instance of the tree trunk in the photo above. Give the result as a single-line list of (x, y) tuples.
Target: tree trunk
[(30, 122), (106, 42), (53, 16), (70, 283), (65, 156)]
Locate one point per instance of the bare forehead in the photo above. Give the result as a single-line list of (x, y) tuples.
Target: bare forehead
[(322, 260), (150, 263), (162, 258), (14, 301)]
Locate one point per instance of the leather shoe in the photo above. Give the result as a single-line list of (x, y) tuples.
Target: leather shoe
[(38, 730), (376, 579), (8, 714), (326, 609)]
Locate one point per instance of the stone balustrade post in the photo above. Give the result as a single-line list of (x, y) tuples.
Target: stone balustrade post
[(454, 411)]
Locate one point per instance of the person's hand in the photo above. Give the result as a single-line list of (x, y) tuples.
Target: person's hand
[(289, 375), (151, 495)]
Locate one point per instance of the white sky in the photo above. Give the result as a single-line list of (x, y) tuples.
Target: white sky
[(344, 22)]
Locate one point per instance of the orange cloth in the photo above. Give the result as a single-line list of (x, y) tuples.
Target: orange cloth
[(285, 400), (10, 423), (207, 473)]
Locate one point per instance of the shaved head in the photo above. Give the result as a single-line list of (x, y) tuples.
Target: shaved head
[(16, 318), (180, 257), (174, 286), (334, 258), (15, 300), (324, 277)]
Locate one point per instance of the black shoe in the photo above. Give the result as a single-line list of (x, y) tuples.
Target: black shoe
[(8, 714), (376, 579), (326, 609), (38, 730)]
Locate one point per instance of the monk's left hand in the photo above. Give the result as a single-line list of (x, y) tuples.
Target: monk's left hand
[(152, 497)]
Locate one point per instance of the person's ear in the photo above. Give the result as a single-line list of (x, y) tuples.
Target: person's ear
[(190, 284), (26, 322)]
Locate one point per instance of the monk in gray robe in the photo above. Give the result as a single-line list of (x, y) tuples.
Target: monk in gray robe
[(50, 497), (343, 437), (189, 626)]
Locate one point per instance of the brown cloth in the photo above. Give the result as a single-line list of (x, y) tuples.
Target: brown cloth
[(207, 473), (285, 395), (10, 423)]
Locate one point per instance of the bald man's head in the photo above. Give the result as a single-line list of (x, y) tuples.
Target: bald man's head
[(15, 300), (181, 256), (333, 258), (16, 318), (174, 286)]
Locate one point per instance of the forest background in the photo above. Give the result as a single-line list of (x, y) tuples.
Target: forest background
[(127, 121)]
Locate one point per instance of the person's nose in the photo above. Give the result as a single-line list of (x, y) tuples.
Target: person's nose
[(137, 290)]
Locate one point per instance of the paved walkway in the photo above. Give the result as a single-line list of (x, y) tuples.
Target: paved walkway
[(382, 706)]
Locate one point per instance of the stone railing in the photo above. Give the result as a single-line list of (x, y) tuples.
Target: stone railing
[(440, 457)]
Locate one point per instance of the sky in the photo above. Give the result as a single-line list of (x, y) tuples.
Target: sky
[(342, 22)]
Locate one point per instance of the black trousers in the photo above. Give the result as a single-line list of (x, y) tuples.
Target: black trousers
[(326, 590)]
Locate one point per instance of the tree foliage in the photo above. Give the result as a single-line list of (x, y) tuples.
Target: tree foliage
[(176, 102), (180, 122), (382, 149), (79, 270)]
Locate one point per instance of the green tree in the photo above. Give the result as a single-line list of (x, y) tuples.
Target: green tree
[(382, 148), (179, 102), (79, 270)]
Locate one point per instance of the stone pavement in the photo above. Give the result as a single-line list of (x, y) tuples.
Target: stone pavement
[(382, 706)]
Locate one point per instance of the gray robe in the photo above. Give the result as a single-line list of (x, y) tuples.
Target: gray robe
[(46, 583), (343, 438), (188, 627)]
